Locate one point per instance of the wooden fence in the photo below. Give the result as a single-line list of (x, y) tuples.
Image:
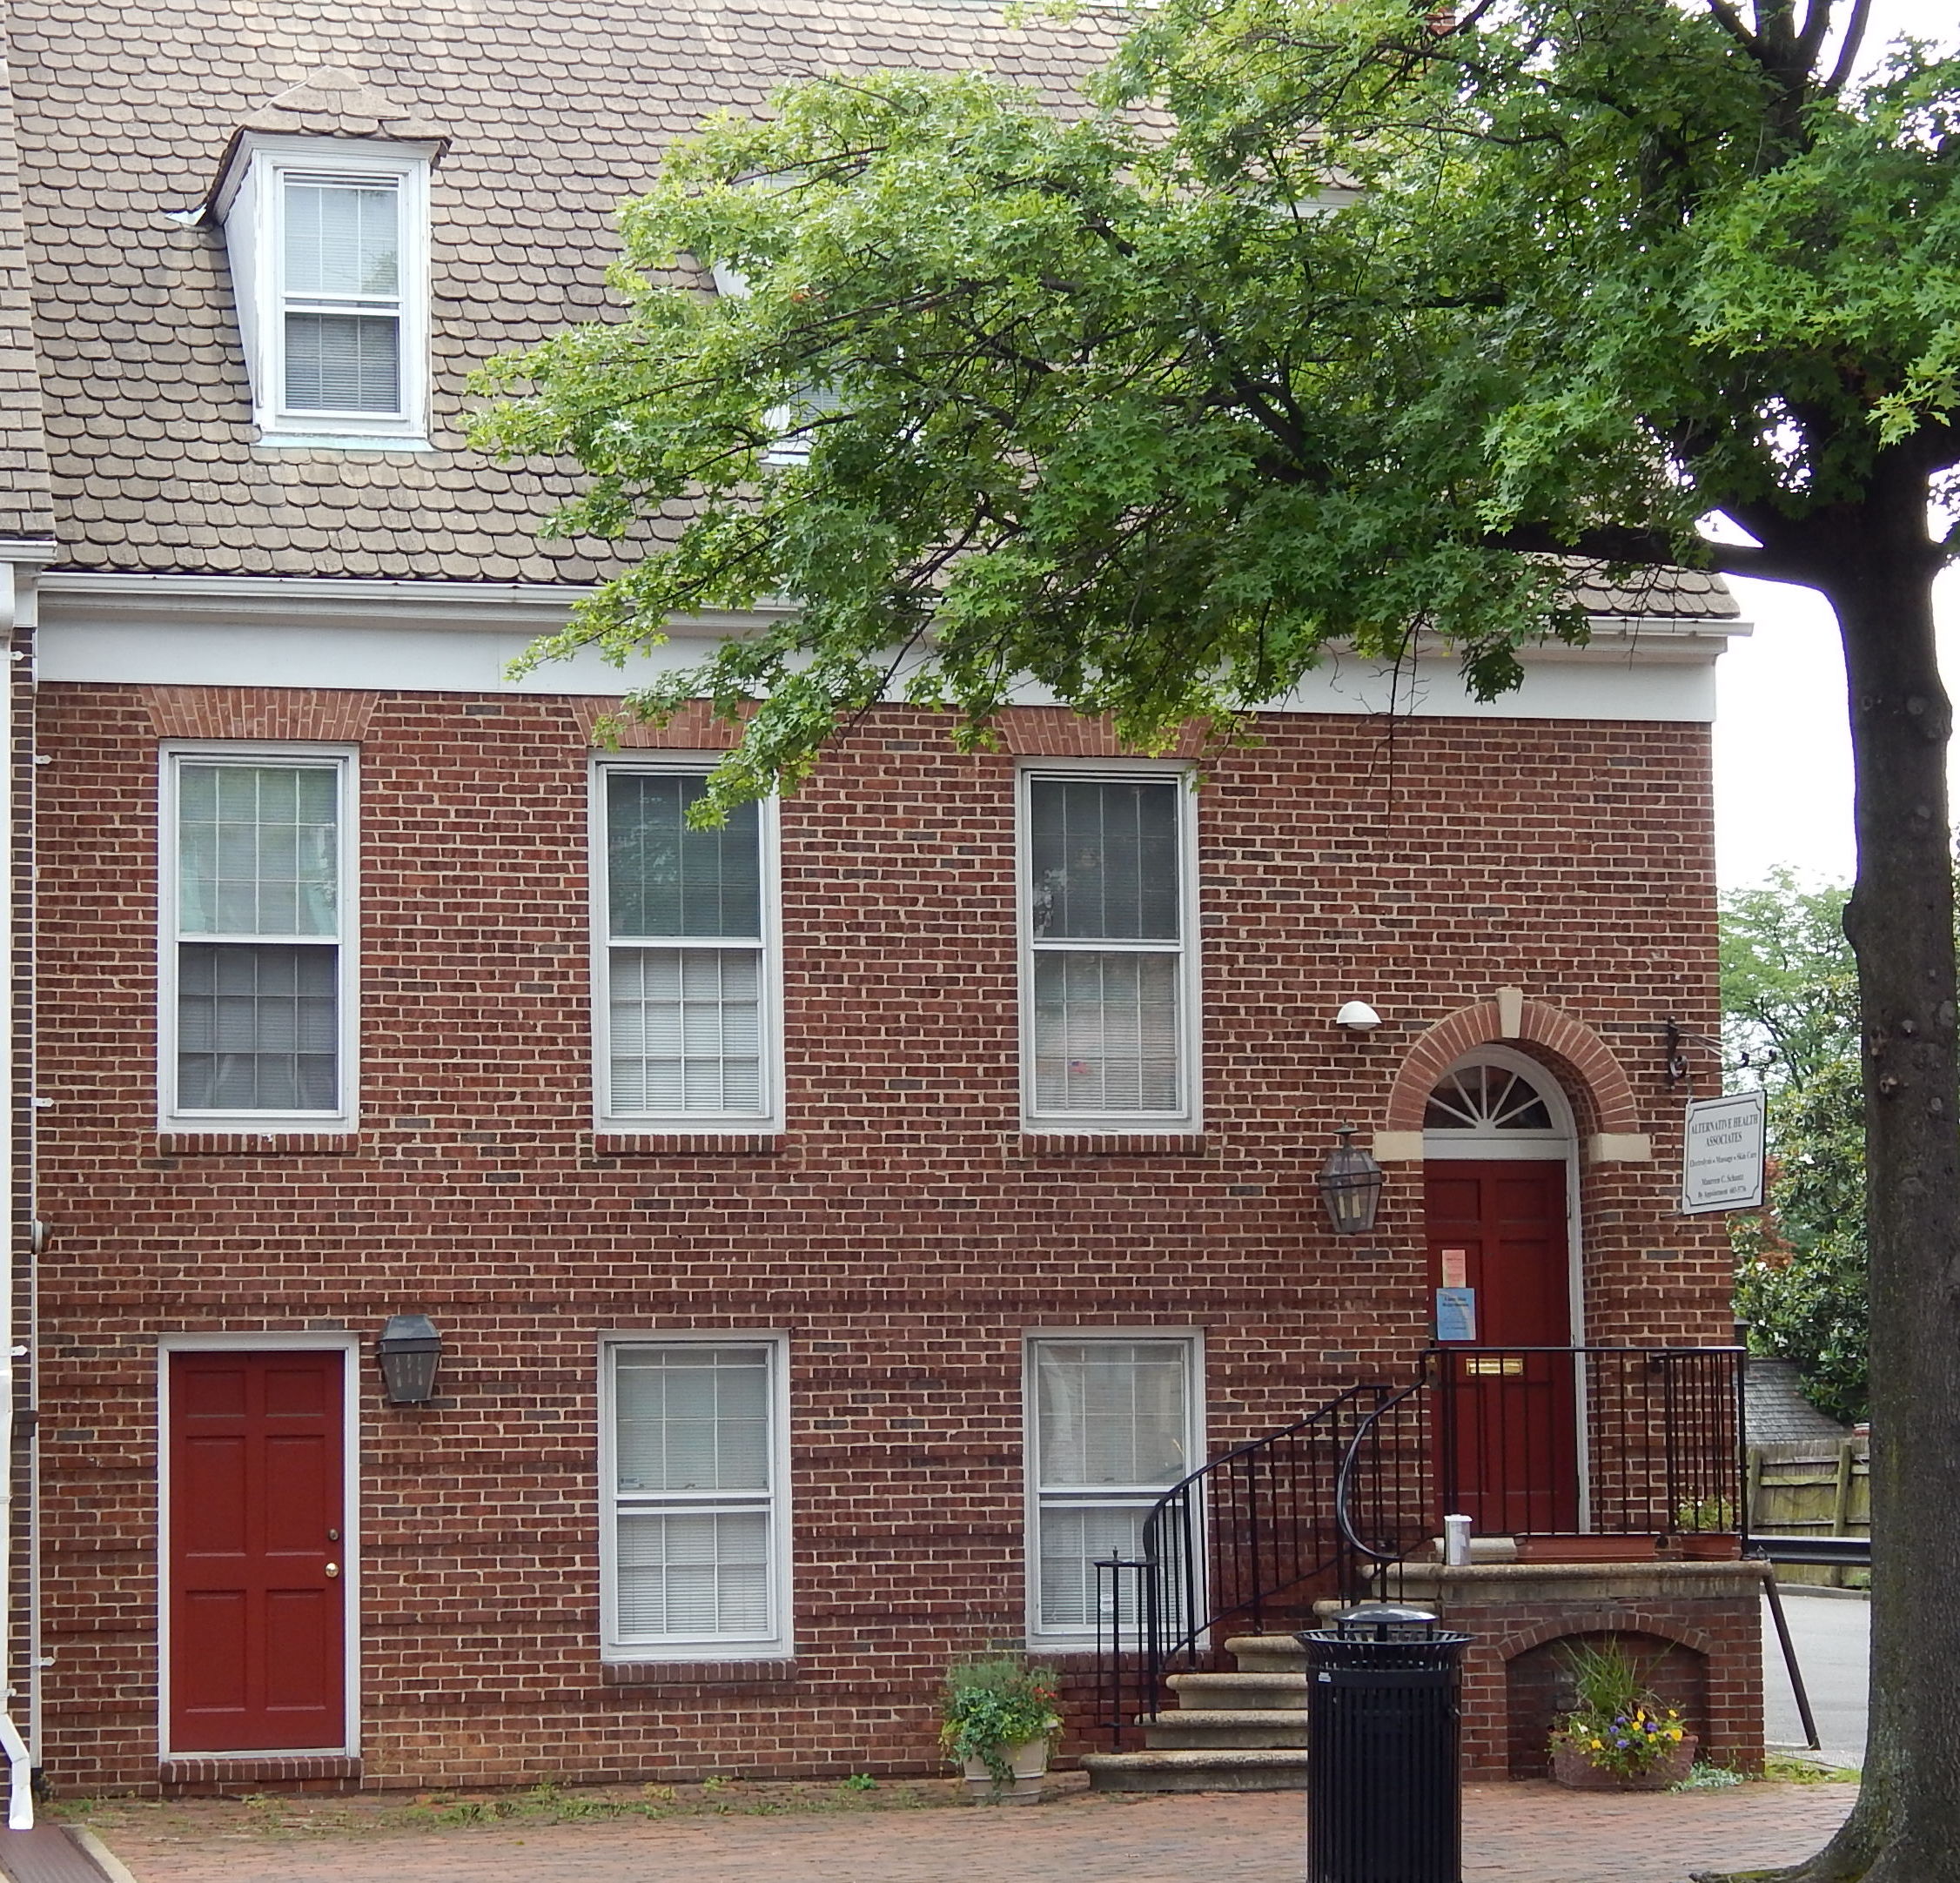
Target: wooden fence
[(1812, 1487)]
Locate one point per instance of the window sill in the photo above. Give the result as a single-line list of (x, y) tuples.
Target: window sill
[(697, 1673), (685, 1143), (338, 441), (344, 1143), (1117, 1143)]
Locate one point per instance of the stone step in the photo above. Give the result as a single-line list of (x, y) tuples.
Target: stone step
[(1244, 1728), (1278, 1769), (1265, 1653), (1228, 1691)]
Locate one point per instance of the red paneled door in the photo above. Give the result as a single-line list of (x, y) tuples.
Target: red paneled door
[(1508, 1434), (257, 1627)]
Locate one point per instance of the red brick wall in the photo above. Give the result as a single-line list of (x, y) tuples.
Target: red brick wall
[(903, 1232)]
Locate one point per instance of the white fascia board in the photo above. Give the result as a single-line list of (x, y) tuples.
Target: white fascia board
[(460, 637)]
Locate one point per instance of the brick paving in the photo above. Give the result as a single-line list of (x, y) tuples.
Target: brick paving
[(1519, 1833)]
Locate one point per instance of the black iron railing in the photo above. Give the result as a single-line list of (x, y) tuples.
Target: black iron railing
[(1525, 1441), (1223, 1550)]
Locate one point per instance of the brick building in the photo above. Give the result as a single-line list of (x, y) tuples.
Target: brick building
[(838, 1229)]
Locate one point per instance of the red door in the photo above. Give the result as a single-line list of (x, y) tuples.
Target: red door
[(1508, 1434), (257, 1623)]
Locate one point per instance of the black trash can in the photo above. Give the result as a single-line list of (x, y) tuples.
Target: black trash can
[(1384, 1794)]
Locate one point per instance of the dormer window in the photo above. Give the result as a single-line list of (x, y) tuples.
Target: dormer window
[(329, 246)]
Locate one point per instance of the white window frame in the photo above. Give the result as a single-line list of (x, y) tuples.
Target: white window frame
[(767, 1117), (345, 762), (779, 1644), (1192, 1339), (1188, 1117), (253, 208)]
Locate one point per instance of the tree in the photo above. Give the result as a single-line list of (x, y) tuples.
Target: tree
[(1789, 990), (1342, 321)]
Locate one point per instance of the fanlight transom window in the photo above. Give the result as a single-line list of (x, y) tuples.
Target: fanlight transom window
[(1486, 1098)]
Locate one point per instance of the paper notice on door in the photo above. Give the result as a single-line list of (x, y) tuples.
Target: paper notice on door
[(1456, 1268), (1456, 1314)]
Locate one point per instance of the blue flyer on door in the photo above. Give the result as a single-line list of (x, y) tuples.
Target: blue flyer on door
[(1456, 1314)]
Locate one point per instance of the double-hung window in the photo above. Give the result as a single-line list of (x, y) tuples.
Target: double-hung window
[(686, 974), (694, 1549), (257, 931), (1108, 972), (1112, 1424), (329, 249)]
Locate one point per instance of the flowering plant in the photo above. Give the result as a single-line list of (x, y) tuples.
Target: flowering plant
[(1618, 1724), (991, 1706)]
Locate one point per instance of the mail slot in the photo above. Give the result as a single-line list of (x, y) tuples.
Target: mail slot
[(1508, 1363)]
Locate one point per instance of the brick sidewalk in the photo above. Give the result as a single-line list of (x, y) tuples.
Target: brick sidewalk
[(1518, 1834)]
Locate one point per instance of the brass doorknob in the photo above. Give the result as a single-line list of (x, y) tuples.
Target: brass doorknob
[(333, 1569)]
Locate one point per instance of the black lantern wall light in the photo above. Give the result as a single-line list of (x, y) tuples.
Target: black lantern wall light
[(409, 1352), (1351, 1185)]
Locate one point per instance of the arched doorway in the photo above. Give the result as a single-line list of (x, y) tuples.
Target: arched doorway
[(1499, 1155)]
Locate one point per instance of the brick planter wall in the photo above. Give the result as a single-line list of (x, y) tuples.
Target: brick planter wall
[(903, 1231), (1697, 1625)]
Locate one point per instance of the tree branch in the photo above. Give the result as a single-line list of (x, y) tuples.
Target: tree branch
[(1732, 23), (1848, 53)]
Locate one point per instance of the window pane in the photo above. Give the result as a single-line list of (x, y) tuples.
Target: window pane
[(687, 1031), (1111, 1412), (1103, 858), (258, 850), (692, 1418), (1073, 1538), (343, 239), (694, 1573), (1107, 1033), (664, 879), (343, 362), (257, 1027)]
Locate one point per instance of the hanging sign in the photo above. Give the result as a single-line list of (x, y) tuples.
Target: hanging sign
[(1721, 1162), (1456, 1268)]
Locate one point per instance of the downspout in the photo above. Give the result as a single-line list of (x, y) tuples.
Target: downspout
[(17, 612)]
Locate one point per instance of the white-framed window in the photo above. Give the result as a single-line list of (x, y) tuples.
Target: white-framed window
[(256, 968), (1114, 1419), (686, 979), (328, 240), (694, 1537), (1109, 972)]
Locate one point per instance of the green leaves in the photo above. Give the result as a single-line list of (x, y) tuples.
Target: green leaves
[(1314, 325)]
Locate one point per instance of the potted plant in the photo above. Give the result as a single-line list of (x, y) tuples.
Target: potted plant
[(997, 1720), (1705, 1527), (1619, 1736)]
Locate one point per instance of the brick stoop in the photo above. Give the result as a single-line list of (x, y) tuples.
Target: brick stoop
[(1243, 1732)]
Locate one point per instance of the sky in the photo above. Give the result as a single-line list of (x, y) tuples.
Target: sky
[(1782, 753)]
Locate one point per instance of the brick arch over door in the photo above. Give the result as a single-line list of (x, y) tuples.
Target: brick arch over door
[(1603, 1080)]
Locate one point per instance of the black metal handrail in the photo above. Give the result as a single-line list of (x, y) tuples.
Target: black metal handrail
[(1527, 1441), (1243, 1530)]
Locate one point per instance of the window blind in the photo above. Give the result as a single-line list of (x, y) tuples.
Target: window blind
[(341, 249), (693, 1492), (685, 1022), (1105, 901), (258, 850)]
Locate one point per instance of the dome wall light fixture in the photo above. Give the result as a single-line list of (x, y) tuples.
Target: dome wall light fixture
[(1350, 1183), (409, 1352), (1358, 1017)]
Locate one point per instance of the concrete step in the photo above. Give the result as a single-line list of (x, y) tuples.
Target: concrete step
[(1280, 1769), (1220, 1692), (1242, 1728), (1266, 1653)]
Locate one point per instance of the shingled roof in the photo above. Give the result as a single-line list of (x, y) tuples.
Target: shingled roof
[(553, 110)]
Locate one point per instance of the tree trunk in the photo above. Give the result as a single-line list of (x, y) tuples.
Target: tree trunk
[(1906, 1826)]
